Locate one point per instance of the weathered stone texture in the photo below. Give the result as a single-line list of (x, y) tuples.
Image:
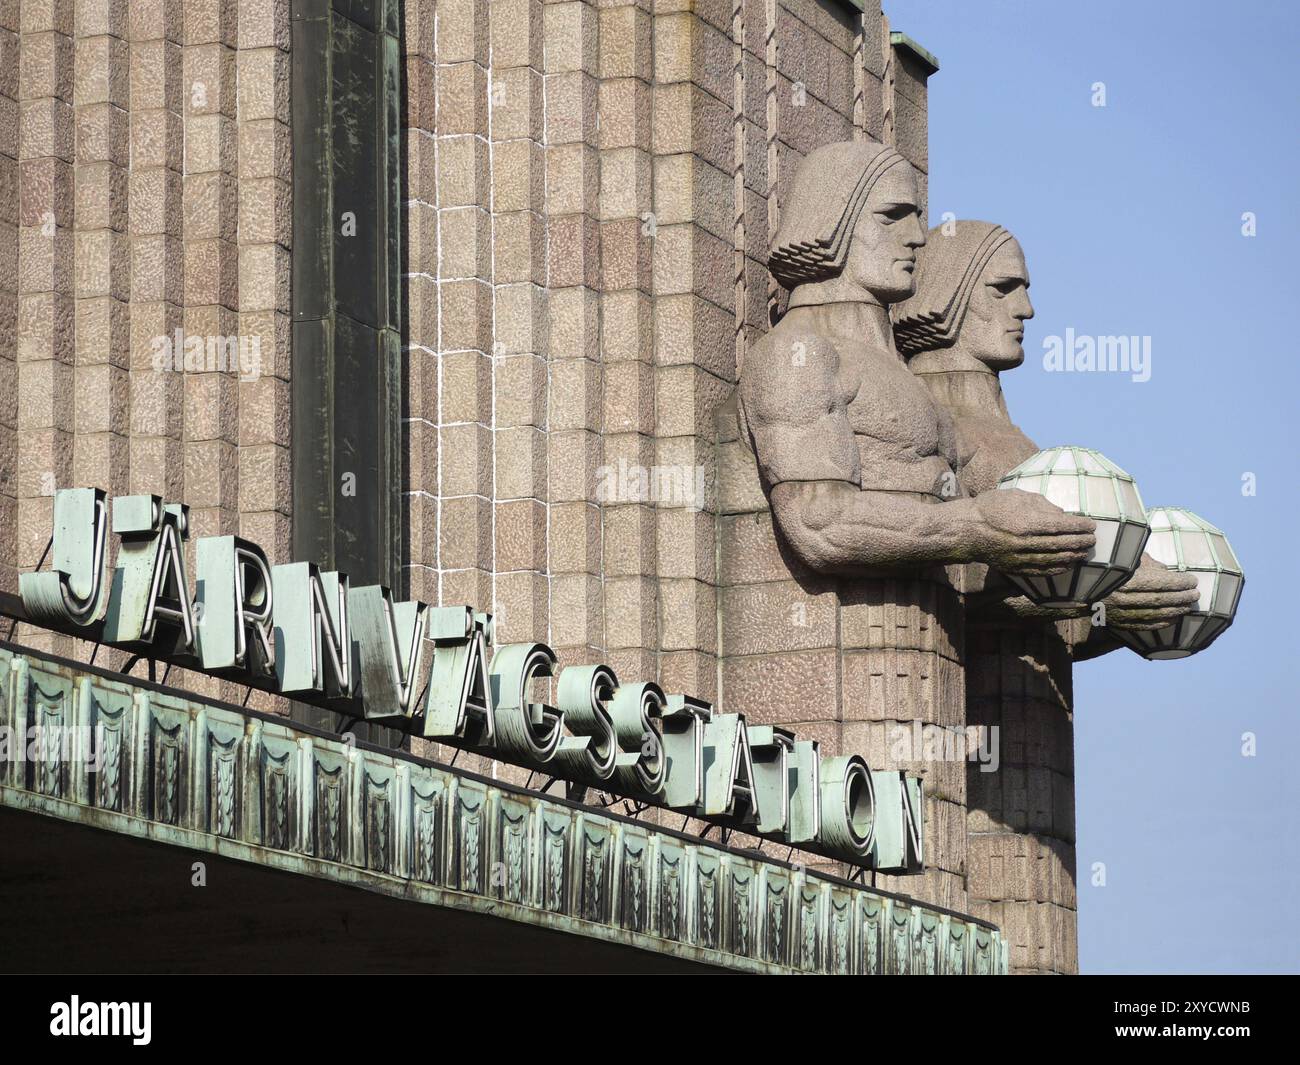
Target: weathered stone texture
[(144, 165)]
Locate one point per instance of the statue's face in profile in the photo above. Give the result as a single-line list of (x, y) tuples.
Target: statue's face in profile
[(882, 257), (994, 327)]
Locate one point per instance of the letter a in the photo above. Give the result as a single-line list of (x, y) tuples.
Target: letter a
[(459, 708)]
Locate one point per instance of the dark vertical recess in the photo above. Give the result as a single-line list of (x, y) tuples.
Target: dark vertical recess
[(348, 464)]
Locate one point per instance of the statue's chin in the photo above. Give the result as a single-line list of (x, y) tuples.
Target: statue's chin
[(894, 291), (1004, 361)]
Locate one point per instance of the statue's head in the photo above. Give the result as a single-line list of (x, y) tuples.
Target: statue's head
[(972, 294), (850, 226)]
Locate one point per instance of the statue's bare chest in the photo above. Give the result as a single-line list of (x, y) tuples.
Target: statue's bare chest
[(886, 403), (988, 448)]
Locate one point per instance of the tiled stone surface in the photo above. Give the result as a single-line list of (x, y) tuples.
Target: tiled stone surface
[(1021, 819), (144, 183), (577, 275)]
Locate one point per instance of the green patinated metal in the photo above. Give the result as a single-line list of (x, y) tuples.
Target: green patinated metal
[(155, 763), (928, 60), (348, 468), (74, 587)]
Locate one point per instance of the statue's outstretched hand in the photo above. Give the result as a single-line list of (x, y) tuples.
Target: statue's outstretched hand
[(1153, 597), (1023, 533)]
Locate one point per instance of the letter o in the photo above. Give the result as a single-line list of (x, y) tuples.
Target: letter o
[(848, 802)]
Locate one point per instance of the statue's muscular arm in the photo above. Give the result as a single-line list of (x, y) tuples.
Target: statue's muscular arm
[(795, 406)]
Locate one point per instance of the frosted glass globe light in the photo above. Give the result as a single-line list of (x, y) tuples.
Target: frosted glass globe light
[(1084, 482), (1186, 542)]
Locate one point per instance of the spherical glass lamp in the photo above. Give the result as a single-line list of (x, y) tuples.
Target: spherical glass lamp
[(1186, 542), (1084, 482)]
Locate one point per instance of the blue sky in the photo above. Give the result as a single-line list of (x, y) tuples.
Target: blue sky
[(1131, 220)]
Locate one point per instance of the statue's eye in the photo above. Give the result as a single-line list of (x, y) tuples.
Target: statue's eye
[(889, 215)]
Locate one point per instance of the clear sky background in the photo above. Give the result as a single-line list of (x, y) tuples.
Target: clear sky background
[(1130, 217)]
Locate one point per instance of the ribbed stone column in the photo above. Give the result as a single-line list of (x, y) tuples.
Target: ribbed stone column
[(1021, 819), (9, 223), (901, 662), (155, 227), (44, 384)]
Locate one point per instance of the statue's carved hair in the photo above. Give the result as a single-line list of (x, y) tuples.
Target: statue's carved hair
[(947, 270), (829, 190)]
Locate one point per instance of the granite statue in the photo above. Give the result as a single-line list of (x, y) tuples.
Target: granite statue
[(858, 462), (962, 328), (860, 503)]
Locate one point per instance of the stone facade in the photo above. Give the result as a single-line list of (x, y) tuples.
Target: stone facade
[(145, 167), (589, 196)]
